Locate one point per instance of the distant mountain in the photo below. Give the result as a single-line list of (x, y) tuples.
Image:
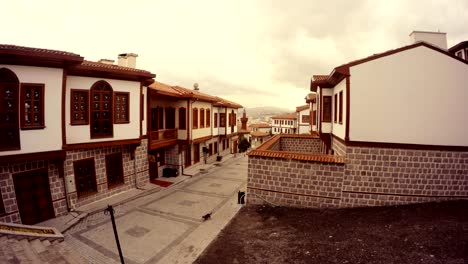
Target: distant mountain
[(263, 113)]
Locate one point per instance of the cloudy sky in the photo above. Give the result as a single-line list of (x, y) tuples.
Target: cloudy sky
[(257, 53)]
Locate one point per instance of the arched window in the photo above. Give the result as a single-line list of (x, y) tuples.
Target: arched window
[(195, 118), (9, 120), (101, 112), (202, 118)]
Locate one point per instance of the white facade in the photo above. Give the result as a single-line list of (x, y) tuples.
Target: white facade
[(303, 127), (339, 129), (201, 131), (283, 126), (50, 137), (417, 96), (82, 133)]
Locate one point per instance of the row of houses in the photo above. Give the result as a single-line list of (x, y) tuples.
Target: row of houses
[(386, 129), (74, 131)]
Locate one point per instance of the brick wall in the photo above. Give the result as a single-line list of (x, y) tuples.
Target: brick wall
[(378, 176), (294, 183), (307, 145), (133, 170), (8, 189)]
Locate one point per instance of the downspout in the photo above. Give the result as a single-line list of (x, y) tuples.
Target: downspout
[(64, 139)]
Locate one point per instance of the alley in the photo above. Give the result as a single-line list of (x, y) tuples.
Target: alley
[(167, 226)]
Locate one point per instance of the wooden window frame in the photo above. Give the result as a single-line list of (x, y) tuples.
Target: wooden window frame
[(195, 118), (85, 111), (169, 117), (314, 117), (160, 117), (215, 123), (459, 54), (10, 83), (88, 193), (202, 118), (208, 117), (121, 95), (335, 108), (142, 107), (327, 109), (182, 118), (340, 116), (32, 104), (222, 120), (120, 179), (110, 134)]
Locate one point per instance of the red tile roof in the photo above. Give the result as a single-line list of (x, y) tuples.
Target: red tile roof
[(114, 68), (184, 93), (340, 72), (37, 51), (259, 134), (264, 151), (285, 116), (302, 107), (261, 125)]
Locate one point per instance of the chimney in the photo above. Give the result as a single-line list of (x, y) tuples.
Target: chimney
[(244, 120), (438, 39), (106, 61), (127, 60)]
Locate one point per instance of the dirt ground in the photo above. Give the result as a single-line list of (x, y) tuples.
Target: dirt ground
[(422, 233)]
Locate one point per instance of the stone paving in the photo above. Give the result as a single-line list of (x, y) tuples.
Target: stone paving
[(166, 226)]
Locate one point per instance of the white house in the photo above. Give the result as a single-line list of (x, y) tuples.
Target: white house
[(284, 124), (303, 119), (312, 102), (71, 131)]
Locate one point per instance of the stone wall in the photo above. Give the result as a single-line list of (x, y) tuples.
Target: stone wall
[(381, 176), (135, 171), (7, 188), (294, 183), (338, 147), (365, 176), (306, 145)]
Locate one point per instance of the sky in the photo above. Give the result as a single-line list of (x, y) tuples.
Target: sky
[(254, 52)]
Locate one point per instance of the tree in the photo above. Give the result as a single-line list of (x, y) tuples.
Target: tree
[(243, 144)]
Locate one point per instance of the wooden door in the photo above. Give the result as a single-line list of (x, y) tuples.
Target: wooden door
[(33, 196), (196, 153), (188, 156), (153, 165), (234, 146)]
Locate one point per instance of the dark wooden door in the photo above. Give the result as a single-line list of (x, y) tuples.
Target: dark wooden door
[(153, 166), (188, 156), (234, 146), (196, 153), (33, 196)]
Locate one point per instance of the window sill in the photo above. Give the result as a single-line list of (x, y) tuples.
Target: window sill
[(122, 122), (33, 127), (101, 137), (79, 124)]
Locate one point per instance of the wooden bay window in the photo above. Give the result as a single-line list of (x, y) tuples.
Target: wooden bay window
[(122, 107), (79, 107), (32, 106)]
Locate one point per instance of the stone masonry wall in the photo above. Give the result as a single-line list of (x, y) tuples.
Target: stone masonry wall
[(338, 147), (383, 176), (307, 145), (7, 188), (135, 171), (294, 183)]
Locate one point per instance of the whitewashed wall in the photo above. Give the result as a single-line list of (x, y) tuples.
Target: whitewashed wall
[(145, 112), (338, 129), (200, 132), (417, 96), (49, 138), (326, 127), (81, 133)]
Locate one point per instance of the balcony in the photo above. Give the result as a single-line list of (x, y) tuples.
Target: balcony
[(162, 138)]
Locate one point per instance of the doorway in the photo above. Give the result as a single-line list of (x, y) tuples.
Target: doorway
[(33, 196)]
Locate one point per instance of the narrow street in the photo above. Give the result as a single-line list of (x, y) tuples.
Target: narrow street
[(167, 226)]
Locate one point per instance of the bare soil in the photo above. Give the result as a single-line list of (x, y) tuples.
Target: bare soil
[(422, 233)]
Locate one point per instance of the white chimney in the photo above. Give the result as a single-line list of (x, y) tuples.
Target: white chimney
[(127, 60), (106, 61), (438, 39)]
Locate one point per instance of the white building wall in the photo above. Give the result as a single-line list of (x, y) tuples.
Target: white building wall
[(200, 132), (304, 128), (145, 112), (81, 133), (417, 96), (338, 129), (49, 138), (326, 127), (215, 129)]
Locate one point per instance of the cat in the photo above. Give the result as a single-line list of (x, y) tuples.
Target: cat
[(207, 216)]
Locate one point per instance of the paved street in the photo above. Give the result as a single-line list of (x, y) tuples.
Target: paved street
[(166, 226)]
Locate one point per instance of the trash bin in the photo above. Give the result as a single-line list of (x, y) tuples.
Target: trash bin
[(219, 158), (170, 172)]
